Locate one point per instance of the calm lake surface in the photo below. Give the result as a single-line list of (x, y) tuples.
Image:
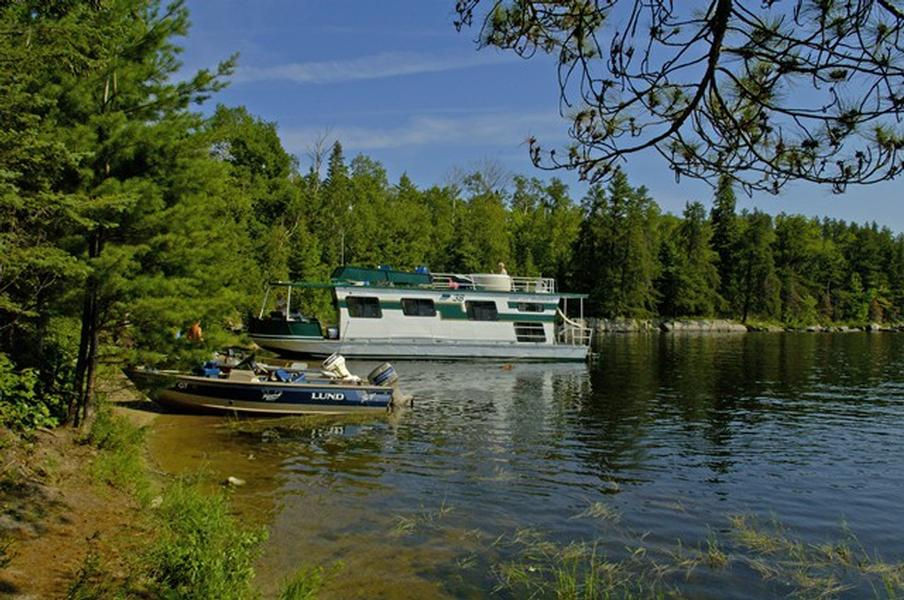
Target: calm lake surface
[(644, 456)]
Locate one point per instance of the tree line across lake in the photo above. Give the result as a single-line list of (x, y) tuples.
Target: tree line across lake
[(125, 216)]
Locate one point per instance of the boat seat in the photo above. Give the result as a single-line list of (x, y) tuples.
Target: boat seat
[(287, 377), (242, 375)]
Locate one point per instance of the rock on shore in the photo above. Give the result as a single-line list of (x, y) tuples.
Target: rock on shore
[(704, 325), (665, 325), (626, 325)]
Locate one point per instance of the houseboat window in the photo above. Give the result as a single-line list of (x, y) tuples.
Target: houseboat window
[(418, 307), (530, 332), (364, 307), (530, 307), (481, 310)]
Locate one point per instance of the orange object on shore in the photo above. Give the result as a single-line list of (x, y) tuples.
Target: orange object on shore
[(194, 332)]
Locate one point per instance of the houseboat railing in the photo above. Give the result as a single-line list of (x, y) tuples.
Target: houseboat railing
[(573, 333), (475, 281)]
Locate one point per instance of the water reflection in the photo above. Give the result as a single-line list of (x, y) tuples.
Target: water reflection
[(670, 433)]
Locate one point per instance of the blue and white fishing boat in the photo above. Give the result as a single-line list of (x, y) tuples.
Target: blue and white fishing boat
[(383, 313), (255, 388)]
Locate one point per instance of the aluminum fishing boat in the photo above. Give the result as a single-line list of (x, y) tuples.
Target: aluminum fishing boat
[(383, 313), (256, 388)]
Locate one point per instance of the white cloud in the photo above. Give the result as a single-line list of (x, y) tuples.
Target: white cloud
[(495, 129), (376, 66)]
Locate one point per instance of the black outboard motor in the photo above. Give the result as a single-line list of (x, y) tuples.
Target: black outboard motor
[(385, 375)]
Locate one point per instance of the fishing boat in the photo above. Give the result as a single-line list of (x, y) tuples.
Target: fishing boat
[(385, 313), (258, 388)]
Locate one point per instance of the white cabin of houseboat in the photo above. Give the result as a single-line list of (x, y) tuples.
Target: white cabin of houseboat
[(383, 313)]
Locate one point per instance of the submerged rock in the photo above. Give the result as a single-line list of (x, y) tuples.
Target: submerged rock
[(234, 481)]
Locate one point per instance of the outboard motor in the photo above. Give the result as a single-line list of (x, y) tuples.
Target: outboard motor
[(385, 375), (334, 368)]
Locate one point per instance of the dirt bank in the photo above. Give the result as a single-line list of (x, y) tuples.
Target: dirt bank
[(55, 514)]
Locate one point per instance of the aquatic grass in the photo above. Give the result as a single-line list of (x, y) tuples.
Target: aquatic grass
[(466, 562), (810, 585), (890, 587), (715, 556), (307, 582), (474, 534), (406, 525), (765, 570), (823, 570), (683, 559), (791, 566), (759, 540), (403, 526), (573, 572), (201, 551), (600, 510)]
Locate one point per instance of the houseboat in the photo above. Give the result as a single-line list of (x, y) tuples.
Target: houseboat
[(384, 313)]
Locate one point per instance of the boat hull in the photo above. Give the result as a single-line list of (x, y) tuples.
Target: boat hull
[(203, 394), (418, 349)]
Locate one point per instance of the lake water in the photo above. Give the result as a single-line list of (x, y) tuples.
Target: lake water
[(720, 466)]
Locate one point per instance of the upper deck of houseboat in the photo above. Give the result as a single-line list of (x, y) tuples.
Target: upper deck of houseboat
[(383, 277)]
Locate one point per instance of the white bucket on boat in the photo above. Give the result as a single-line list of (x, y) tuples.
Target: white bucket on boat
[(494, 282)]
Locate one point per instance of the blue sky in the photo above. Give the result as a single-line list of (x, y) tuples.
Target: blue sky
[(392, 79)]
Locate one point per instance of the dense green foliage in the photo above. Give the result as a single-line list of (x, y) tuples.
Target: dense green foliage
[(113, 220), (20, 407), (125, 217)]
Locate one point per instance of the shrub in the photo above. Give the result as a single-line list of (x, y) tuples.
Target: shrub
[(120, 463), (21, 404)]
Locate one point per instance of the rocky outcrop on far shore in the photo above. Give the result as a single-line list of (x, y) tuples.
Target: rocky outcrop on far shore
[(627, 325)]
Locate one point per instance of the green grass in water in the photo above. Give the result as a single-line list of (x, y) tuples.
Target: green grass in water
[(201, 551), (307, 582)]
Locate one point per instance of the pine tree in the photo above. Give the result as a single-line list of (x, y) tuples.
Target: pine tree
[(795, 253), (725, 239), (333, 220), (698, 276), (758, 285), (137, 184), (616, 250)]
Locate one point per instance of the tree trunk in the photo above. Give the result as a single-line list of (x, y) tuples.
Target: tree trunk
[(81, 363), (86, 364), (87, 404), (747, 291)]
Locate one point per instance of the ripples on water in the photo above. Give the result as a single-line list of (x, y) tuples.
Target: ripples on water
[(672, 434)]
